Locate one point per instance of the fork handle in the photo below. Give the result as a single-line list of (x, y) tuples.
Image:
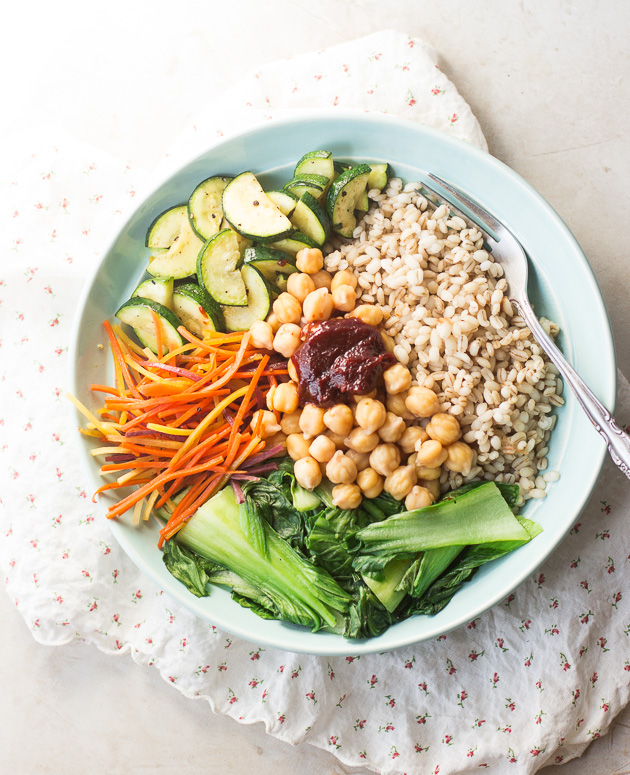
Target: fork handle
[(617, 441)]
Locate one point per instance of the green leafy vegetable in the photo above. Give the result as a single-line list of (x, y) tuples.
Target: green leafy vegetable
[(291, 587), (477, 516)]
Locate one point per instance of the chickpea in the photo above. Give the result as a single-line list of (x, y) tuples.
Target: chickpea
[(361, 459), (292, 370), (400, 482), (433, 486), (309, 260), (357, 398), (297, 446), (368, 313), (340, 469), (273, 441), (338, 440), (307, 473), (322, 448), (261, 335), (385, 458), (269, 424), (397, 379), (312, 421), (273, 321), (287, 339), (430, 453), (396, 405), (392, 429), (344, 298), (322, 279), (287, 308), (299, 285), (424, 472), (370, 482), (418, 498), (285, 397), (460, 458), (343, 277), (361, 440), (318, 305), (339, 419), (388, 341), (370, 414), (346, 496), (444, 428), (413, 434), (290, 422), (422, 401), (269, 397)]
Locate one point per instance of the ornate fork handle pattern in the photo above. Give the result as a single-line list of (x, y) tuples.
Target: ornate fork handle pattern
[(617, 441)]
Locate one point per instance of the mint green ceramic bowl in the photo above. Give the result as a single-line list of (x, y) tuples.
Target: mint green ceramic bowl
[(562, 288)]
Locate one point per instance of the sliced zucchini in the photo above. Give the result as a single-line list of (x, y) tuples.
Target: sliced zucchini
[(197, 310), (158, 289), (217, 270), (341, 166), (316, 163), (242, 242), (363, 202), (378, 177), (250, 211), (137, 313), (174, 244), (316, 185), (295, 242), (342, 198), (274, 265), (310, 218), (285, 201), (258, 302), (204, 206)]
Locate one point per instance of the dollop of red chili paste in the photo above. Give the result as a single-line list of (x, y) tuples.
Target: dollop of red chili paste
[(339, 358)]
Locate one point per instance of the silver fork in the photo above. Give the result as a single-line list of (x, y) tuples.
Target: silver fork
[(508, 251)]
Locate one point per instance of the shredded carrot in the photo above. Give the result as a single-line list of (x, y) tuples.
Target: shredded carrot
[(177, 421)]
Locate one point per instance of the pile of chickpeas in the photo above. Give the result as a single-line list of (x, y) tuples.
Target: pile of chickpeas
[(395, 439)]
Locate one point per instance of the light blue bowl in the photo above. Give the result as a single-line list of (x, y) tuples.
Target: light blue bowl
[(562, 288)]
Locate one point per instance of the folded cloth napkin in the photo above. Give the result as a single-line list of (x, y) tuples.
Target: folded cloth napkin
[(533, 681)]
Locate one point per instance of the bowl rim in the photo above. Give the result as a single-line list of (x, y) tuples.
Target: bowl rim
[(342, 646)]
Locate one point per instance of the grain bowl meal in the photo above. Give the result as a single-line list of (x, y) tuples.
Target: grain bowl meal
[(324, 398)]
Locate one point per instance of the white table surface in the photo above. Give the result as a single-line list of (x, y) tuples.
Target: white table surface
[(549, 84)]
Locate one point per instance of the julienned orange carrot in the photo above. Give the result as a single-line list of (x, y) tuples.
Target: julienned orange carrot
[(182, 419)]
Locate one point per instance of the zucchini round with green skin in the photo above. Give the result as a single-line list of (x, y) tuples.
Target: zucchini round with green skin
[(137, 313), (341, 166), (241, 241), (250, 211), (310, 218), (198, 311), (285, 201), (158, 289), (316, 163), (274, 265), (174, 244), (342, 198), (363, 202), (316, 185), (205, 209), (295, 242), (217, 270), (378, 177), (258, 302)]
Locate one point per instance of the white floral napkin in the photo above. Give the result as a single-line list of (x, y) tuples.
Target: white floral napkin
[(531, 682)]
